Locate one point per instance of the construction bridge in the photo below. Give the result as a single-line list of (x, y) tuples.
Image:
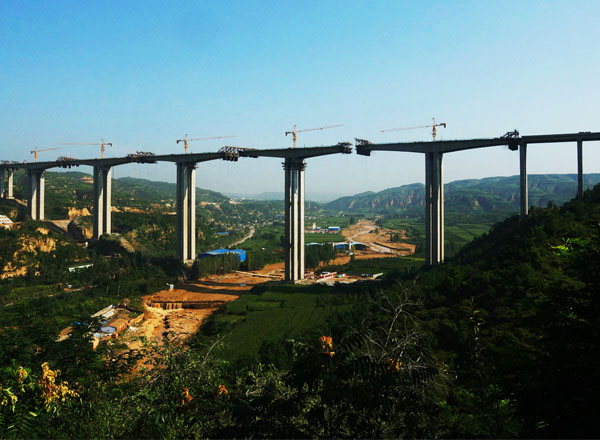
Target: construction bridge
[(294, 165)]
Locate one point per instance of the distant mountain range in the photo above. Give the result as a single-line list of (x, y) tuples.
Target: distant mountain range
[(278, 195), (474, 195), (477, 196)]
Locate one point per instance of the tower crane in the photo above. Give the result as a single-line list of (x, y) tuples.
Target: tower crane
[(186, 140), (433, 128), (35, 151), (102, 145), (295, 132)]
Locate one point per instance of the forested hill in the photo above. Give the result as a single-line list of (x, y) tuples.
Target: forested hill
[(150, 189), (517, 311), (474, 195), (74, 189)]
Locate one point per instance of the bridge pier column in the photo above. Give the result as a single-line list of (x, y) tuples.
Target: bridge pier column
[(294, 219), (2, 172), (9, 184), (102, 200), (36, 194), (523, 180), (580, 169), (434, 208), (186, 211)]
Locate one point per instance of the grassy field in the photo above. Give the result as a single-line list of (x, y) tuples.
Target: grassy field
[(458, 232), (323, 238), (278, 313), (377, 265)]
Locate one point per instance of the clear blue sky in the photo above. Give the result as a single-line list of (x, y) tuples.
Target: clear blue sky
[(142, 74)]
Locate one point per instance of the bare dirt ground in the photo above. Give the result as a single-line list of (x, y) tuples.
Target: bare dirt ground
[(178, 313), (378, 239)]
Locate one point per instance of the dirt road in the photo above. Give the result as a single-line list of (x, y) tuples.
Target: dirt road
[(247, 237), (378, 239)]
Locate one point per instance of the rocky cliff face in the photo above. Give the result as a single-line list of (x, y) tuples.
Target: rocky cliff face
[(483, 195), (74, 212), (28, 246)]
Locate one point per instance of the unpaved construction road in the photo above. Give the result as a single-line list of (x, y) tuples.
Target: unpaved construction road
[(378, 239)]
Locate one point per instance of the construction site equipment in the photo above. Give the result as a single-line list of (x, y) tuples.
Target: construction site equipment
[(35, 151), (186, 140), (102, 145), (139, 154), (433, 128), (295, 132)]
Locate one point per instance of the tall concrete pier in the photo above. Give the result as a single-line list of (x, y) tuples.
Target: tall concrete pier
[(186, 195), (524, 188), (186, 211), (294, 167), (580, 168), (102, 200), (434, 182), (294, 218), (6, 183), (36, 197), (434, 208), (9, 183)]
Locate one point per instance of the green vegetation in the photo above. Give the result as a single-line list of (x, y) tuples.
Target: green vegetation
[(499, 342), (323, 238), (378, 265), (267, 242), (270, 314), (459, 229), (223, 263)]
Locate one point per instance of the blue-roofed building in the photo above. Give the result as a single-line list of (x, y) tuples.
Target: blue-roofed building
[(333, 229), (240, 253), (355, 244)]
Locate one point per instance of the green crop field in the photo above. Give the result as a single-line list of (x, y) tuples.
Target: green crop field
[(323, 238), (458, 230), (377, 265), (281, 312)]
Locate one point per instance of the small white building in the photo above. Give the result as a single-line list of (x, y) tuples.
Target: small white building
[(5, 222)]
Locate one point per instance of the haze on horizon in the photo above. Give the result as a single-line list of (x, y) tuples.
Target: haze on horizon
[(143, 75)]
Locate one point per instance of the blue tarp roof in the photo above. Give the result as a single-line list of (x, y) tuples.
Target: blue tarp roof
[(241, 253)]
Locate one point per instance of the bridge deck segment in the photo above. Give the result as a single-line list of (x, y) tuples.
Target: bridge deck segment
[(434, 185)]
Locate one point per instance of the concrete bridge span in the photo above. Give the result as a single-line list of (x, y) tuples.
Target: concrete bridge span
[(434, 181), (294, 165), (102, 189)]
